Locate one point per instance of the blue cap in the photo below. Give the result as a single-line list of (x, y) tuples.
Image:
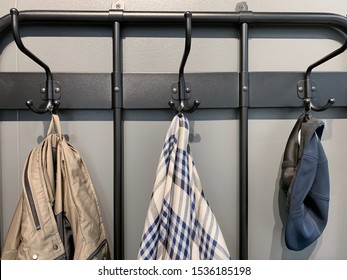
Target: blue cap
[(305, 180)]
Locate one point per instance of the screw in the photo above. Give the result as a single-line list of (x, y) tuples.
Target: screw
[(174, 90), (245, 88), (301, 89), (188, 90), (242, 6), (313, 88), (116, 89), (57, 90), (118, 6), (43, 90)]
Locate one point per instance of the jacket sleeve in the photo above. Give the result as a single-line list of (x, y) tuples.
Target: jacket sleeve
[(12, 240)]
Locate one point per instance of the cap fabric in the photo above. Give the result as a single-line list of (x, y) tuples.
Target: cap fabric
[(305, 180)]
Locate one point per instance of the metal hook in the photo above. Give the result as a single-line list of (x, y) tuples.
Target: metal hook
[(181, 82), (51, 105), (307, 101)]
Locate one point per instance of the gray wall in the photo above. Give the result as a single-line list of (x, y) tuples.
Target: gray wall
[(214, 139)]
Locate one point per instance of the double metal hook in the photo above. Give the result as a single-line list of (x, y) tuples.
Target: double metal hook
[(52, 104), (308, 86), (181, 82)]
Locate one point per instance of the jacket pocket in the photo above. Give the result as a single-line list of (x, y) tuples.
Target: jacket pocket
[(101, 253)]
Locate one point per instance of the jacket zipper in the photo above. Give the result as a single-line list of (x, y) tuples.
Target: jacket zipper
[(31, 199)]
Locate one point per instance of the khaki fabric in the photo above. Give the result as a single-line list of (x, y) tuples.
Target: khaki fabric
[(56, 187)]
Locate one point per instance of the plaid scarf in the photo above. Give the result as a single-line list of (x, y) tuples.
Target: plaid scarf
[(180, 224)]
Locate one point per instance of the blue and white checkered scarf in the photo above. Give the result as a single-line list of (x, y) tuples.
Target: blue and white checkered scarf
[(180, 224)]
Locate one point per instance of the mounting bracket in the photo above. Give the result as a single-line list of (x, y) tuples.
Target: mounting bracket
[(118, 5), (302, 89), (186, 95), (241, 7), (56, 91)]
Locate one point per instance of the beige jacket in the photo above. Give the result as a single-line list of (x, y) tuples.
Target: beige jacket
[(58, 216)]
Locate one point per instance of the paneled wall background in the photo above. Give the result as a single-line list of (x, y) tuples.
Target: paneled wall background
[(214, 133)]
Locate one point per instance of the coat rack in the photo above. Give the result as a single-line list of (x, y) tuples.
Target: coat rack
[(120, 91)]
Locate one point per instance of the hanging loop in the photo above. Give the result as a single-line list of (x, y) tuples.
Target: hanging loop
[(51, 105), (181, 81), (307, 101)]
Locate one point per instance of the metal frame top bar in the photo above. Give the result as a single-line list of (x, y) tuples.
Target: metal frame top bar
[(108, 17)]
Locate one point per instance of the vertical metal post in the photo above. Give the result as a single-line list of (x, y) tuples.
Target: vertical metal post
[(118, 144), (244, 103)]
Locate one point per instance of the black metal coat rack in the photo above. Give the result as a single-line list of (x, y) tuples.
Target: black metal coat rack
[(119, 91)]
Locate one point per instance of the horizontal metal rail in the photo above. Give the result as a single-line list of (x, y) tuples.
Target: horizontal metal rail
[(111, 16)]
